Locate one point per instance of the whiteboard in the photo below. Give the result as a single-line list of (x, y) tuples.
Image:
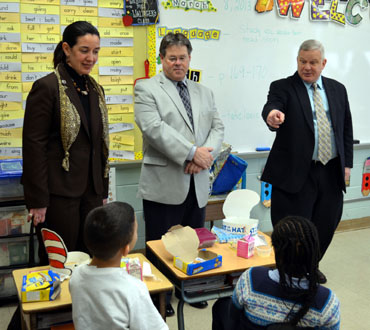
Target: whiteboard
[(255, 49)]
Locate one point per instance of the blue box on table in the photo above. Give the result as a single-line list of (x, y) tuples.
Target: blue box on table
[(183, 243)]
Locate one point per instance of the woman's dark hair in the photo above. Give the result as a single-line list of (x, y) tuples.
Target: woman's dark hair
[(70, 35), (109, 228), (297, 253), (174, 39)]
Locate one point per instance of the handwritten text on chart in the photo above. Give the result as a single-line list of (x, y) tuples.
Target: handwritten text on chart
[(251, 34), (243, 72), (238, 5), (240, 115)]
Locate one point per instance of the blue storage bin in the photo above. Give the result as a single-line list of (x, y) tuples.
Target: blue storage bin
[(230, 174), (10, 178)]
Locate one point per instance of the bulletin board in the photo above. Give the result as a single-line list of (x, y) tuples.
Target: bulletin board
[(241, 46), (29, 33)]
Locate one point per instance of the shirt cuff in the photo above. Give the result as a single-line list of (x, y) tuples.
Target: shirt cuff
[(191, 153)]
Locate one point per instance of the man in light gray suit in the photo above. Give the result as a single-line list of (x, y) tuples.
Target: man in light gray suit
[(182, 134)]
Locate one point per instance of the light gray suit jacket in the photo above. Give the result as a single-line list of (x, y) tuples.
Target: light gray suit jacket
[(168, 138)]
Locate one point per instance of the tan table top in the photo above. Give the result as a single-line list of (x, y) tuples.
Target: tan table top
[(159, 284), (230, 261)]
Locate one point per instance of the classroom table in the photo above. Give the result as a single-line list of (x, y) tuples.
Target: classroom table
[(231, 263), (159, 285)]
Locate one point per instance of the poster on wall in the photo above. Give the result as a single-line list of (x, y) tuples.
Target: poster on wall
[(140, 12)]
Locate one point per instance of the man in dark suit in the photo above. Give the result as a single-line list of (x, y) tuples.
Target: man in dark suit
[(309, 162)]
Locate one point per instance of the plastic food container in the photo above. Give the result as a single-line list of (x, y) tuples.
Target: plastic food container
[(264, 250)]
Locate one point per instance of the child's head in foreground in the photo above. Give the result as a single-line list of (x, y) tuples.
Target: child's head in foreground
[(296, 244), (110, 229)]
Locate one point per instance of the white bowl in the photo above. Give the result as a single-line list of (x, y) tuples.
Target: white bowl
[(76, 258)]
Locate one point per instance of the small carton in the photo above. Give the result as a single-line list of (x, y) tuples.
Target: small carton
[(182, 243), (43, 285), (245, 247), (132, 266)]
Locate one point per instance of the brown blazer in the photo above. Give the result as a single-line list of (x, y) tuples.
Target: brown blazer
[(43, 153)]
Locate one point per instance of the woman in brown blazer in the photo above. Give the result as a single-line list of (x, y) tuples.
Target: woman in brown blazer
[(66, 141)]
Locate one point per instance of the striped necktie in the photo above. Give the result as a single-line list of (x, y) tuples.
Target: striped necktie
[(185, 97), (323, 125)]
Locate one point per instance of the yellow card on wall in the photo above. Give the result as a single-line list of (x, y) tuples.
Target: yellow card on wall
[(122, 138), (116, 61), (37, 58), (10, 143), (40, 28), (14, 133), (10, 47), (39, 9), (110, 32), (77, 10), (118, 89), (10, 106), (10, 27), (11, 87), (11, 76), (112, 80), (116, 51), (9, 18), (8, 115), (120, 108)]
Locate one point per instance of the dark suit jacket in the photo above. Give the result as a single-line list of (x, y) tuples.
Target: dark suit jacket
[(43, 153), (290, 158)]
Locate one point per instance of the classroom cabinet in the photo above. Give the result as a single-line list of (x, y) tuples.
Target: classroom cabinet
[(16, 245)]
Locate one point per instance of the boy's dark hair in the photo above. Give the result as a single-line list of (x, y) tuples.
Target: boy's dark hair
[(174, 39), (70, 35), (297, 254), (109, 228)]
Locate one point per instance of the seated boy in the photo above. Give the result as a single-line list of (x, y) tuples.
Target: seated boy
[(104, 296)]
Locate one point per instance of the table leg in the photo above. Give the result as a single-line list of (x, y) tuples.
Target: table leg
[(180, 315), (33, 321), (23, 321), (162, 304)]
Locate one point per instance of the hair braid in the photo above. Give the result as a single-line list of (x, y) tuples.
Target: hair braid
[(296, 245)]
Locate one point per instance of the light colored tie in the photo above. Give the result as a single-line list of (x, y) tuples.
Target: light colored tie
[(184, 94), (323, 126)]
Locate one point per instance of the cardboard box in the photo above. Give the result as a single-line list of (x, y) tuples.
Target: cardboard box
[(182, 243), (245, 247), (42, 285), (237, 208)]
